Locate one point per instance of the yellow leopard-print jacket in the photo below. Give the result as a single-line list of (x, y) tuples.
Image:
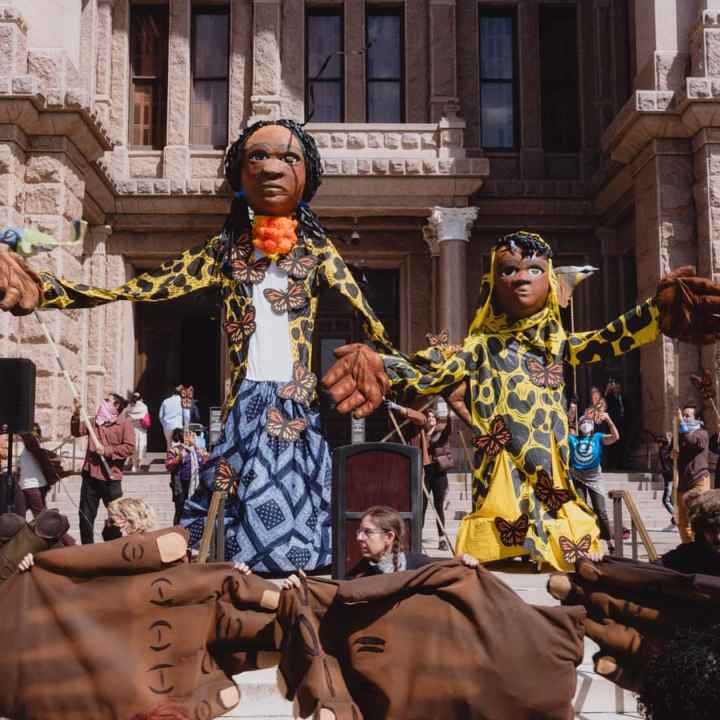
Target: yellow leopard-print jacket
[(207, 267)]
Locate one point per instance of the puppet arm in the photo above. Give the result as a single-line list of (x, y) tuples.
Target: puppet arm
[(193, 270), (635, 328), (337, 275)]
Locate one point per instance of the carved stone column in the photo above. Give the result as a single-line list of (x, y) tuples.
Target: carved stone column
[(265, 99), (103, 60), (241, 49), (451, 227), (443, 57)]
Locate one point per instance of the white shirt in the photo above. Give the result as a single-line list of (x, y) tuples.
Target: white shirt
[(30, 472), (269, 356), (136, 412), (171, 414)]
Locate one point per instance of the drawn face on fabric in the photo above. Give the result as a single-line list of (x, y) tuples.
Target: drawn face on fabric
[(273, 171), (521, 284)]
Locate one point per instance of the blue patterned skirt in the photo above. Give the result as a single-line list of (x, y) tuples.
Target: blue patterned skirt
[(279, 521)]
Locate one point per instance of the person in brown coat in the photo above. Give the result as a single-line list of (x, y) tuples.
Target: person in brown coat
[(116, 439), (693, 470)]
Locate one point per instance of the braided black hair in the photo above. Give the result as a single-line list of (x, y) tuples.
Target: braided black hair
[(525, 243), (238, 221)]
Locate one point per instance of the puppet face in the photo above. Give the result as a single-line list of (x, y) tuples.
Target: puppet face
[(273, 171), (521, 284)]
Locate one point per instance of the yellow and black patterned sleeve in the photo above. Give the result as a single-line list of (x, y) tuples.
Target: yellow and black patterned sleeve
[(337, 275), (429, 371), (195, 269), (636, 327)]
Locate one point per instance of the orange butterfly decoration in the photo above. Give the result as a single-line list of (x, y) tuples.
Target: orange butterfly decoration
[(301, 387), (553, 498), (282, 302), (573, 551), (187, 392), (298, 266), (440, 339), (545, 375), (498, 437), (283, 427), (513, 533), (225, 477), (704, 384), (595, 412), (238, 331), (250, 271)]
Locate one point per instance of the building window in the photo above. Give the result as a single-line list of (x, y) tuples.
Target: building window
[(324, 65), (210, 62), (559, 78), (148, 53), (385, 71), (498, 92)]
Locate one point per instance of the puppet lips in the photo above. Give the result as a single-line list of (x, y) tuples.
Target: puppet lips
[(273, 190)]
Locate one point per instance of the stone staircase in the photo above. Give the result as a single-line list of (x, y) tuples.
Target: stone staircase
[(596, 699)]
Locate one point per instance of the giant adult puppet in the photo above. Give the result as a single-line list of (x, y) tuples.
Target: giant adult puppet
[(267, 265), (507, 382)]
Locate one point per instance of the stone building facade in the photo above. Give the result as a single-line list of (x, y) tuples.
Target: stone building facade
[(593, 122)]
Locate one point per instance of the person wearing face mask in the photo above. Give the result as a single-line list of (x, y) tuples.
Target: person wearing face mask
[(692, 459), (585, 458), (116, 443)]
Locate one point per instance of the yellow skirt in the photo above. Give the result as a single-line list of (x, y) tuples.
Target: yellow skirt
[(559, 542)]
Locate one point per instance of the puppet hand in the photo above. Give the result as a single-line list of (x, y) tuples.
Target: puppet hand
[(19, 286), (689, 306), (357, 382)]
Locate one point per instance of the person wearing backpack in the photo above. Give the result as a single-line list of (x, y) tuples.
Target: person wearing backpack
[(139, 415)]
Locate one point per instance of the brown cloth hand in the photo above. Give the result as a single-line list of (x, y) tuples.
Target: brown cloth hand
[(150, 630), (689, 307), (444, 641), (632, 609), (357, 382), (19, 285)]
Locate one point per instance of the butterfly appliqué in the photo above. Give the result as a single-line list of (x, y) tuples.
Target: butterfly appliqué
[(239, 330), (283, 427), (440, 339), (498, 437), (249, 271), (186, 396), (553, 498), (301, 387), (512, 533), (225, 477), (574, 551), (298, 266), (545, 375), (282, 302)]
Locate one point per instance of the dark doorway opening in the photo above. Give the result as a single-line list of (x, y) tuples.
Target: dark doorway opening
[(178, 342), (337, 324)]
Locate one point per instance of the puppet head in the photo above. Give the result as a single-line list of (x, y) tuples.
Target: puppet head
[(274, 169), (521, 282)]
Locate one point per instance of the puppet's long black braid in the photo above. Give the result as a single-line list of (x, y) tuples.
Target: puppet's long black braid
[(526, 243), (238, 221)]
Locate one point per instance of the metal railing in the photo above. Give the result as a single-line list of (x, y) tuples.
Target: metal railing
[(619, 497)]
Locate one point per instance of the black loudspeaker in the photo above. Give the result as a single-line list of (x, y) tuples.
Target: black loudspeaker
[(368, 474), (17, 394)]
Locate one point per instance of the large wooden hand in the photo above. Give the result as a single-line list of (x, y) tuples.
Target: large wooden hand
[(19, 286), (357, 382), (689, 307)]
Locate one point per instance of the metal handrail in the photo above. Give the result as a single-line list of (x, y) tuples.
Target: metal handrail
[(637, 526)]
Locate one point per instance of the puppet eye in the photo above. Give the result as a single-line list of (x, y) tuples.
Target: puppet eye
[(292, 158), (507, 271), (535, 272), (257, 155)]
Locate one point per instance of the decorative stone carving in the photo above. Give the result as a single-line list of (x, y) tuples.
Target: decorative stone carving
[(453, 223)]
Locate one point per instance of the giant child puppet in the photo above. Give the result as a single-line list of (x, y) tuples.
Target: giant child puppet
[(267, 265), (506, 381)]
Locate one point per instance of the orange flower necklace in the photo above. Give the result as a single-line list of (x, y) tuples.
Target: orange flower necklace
[(274, 236)]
